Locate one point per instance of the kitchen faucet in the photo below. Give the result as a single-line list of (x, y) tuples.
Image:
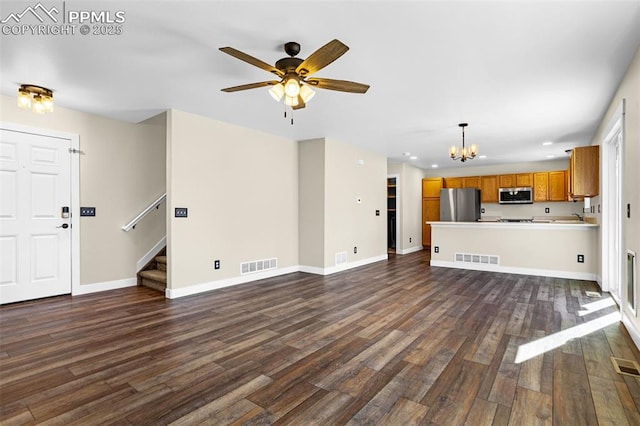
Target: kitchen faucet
[(579, 217)]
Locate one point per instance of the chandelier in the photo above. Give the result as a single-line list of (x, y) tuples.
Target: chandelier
[(463, 154), (36, 98)]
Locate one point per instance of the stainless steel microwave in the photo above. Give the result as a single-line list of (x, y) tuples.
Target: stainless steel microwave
[(522, 195)]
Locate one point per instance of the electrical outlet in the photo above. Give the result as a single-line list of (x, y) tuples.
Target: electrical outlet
[(87, 211), (581, 258), (409, 239), (629, 210), (216, 264), (482, 210), (436, 249), (181, 212), (546, 209), (355, 250), (377, 212)]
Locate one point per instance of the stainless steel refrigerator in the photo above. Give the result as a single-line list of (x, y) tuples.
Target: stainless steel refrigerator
[(459, 205)]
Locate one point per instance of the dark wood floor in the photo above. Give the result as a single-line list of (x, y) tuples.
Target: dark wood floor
[(391, 343)]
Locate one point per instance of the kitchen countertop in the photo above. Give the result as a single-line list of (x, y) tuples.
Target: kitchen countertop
[(559, 224)]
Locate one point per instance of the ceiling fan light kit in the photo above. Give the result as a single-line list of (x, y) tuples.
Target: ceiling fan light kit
[(463, 154), (293, 85)]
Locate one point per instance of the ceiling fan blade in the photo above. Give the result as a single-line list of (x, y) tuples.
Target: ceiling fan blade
[(249, 86), (322, 57), (300, 105), (251, 60), (339, 85)]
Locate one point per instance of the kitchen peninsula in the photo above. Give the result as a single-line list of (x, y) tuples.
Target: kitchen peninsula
[(564, 249)]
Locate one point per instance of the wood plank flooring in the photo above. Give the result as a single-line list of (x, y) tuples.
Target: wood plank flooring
[(392, 343)]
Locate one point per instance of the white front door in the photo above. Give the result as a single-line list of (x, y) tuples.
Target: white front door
[(35, 245)]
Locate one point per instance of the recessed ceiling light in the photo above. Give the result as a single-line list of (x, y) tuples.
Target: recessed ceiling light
[(547, 143), (551, 156), (413, 157), (434, 166), (406, 154), (482, 157)]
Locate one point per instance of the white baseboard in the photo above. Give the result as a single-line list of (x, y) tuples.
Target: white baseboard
[(409, 250), (345, 266), (173, 293), (151, 254), (104, 286), (631, 328), (586, 276)]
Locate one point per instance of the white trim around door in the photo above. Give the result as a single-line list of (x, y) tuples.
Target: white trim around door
[(74, 140)]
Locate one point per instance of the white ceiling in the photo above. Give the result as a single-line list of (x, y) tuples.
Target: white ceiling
[(520, 73)]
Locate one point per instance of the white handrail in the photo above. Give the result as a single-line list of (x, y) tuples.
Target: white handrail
[(131, 225)]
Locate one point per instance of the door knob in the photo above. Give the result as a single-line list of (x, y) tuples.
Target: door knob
[(63, 226)]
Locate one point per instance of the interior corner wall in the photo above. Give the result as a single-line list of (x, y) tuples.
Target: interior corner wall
[(311, 177), (240, 187), (629, 89), (411, 205), (355, 187), (122, 170)]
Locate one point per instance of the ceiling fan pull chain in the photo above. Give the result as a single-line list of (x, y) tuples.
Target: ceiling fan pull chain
[(292, 116)]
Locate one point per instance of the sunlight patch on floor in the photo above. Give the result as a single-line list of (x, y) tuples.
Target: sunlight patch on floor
[(592, 307), (555, 340)]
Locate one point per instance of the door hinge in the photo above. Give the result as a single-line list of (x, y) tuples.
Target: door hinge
[(75, 151)]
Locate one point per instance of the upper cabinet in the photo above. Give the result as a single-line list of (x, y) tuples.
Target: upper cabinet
[(541, 186), (453, 182), (431, 187), (471, 182), (489, 189), (515, 180), (549, 186), (584, 172)]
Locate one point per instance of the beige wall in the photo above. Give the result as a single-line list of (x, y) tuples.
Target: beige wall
[(241, 189), (333, 177), (629, 90), (350, 224), (544, 248), (121, 171), (476, 169), (311, 175), (410, 217)]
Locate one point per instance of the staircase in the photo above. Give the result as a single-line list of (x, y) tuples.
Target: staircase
[(154, 274)]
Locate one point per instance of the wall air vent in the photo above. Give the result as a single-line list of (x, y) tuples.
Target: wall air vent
[(486, 259), (255, 266), (341, 258)]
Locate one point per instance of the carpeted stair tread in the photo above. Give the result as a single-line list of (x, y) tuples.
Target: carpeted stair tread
[(161, 259), (155, 275)]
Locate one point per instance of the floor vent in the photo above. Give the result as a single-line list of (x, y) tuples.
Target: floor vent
[(625, 366), (258, 266), (341, 258), (486, 259), (593, 294)]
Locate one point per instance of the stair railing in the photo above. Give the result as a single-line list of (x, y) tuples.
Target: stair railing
[(132, 225)]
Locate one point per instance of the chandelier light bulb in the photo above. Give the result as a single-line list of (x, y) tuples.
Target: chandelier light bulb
[(291, 101), (24, 99), (306, 93), (37, 105), (277, 91), (292, 87)]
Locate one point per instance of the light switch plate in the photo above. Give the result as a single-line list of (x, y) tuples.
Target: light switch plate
[(181, 212), (87, 211)]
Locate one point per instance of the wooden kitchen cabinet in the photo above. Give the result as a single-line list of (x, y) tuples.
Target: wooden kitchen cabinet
[(471, 182), (430, 206), (584, 172), (557, 186), (541, 186), (431, 187), (524, 179), (516, 180), (489, 189), (453, 182), (430, 213)]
